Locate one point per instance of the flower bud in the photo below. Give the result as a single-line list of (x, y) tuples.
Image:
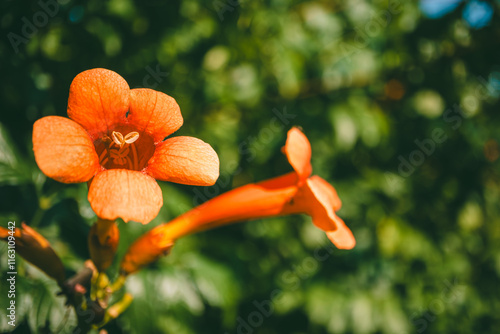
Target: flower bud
[(34, 248)]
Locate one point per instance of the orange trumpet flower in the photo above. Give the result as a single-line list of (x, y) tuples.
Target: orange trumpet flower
[(115, 139), (292, 193)]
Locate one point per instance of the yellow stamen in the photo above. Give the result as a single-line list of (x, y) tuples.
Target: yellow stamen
[(118, 138), (119, 148), (131, 137)]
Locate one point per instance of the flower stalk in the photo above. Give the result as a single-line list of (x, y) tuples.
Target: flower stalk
[(103, 242)]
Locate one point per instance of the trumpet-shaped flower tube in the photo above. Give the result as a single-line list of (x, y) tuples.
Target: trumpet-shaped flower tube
[(292, 193)]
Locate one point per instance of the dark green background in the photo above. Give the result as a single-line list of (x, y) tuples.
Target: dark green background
[(364, 79)]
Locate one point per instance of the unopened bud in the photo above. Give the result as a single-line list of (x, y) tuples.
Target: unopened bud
[(34, 248)]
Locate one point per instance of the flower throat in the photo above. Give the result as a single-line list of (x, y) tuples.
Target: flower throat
[(124, 148)]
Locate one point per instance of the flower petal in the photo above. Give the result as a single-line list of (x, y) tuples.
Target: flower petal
[(323, 213), (64, 150), (126, 194), (320, 205), (318, 200), (328, 191), (342, 237), (154, 112), (185, 160), (98, 99), (298, 152)]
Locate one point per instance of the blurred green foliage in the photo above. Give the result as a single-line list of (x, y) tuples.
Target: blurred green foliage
[(364, 79)]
